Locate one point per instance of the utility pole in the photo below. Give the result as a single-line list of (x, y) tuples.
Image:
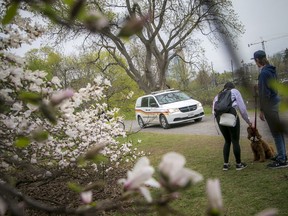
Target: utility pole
[(232, 70), (214, 82)]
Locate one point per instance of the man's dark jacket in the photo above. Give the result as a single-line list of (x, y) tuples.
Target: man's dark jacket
[(268, 96)]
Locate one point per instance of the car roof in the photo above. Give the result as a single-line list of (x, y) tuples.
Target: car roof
[(164, 91), (155, 93)]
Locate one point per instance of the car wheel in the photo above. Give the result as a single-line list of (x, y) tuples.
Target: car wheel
[(140, 122), (164, 122), (198, 119)]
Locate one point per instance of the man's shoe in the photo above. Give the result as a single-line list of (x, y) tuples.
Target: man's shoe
[(277, 164), (226, 167), (275, 158), (241, 166)]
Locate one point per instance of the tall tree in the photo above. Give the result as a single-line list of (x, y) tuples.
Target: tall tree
[(168, 26), (181, 72)]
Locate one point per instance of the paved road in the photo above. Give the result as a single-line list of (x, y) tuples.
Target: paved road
[(206, 127)]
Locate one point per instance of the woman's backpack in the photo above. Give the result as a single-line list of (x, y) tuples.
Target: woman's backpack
[(224, 103)]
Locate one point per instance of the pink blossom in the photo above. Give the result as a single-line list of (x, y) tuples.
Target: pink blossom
[(86, 197), (58, 97)]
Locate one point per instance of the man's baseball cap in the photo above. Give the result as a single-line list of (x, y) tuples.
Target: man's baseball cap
[(259, 54)]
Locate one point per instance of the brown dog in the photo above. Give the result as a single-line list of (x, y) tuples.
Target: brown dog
[(260, 148)]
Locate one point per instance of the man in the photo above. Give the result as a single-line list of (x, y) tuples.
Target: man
[(269, 107)]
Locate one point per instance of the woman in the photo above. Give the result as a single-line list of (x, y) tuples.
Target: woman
[(232, 134)]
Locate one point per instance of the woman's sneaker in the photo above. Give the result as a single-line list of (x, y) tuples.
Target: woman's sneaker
[(241, 166), (226, 167)]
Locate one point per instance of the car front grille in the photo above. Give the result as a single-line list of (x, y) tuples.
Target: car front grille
[(187, 118), (188, 108)]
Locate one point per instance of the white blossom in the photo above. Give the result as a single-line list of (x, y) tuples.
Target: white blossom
[(268, 212), (175, 175), (139, 176), (10, 123), (17, 106), (98, 80), (56, 81), (107, 82), (214, 195), (3, 207), (4, 74), (33, 161)]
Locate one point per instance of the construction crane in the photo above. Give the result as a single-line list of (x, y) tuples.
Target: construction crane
[(264, 41)]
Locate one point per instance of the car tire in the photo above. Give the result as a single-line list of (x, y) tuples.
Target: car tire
[(164, 122), (140, 122), (198, 119)]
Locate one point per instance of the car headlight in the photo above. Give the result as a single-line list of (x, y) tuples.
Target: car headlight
[(199, 104), (172, 110)]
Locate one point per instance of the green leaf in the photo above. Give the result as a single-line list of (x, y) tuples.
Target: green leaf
[(283, 92), (40, 136), (10, 13), (99, 159), (49, 112), (281, 88), (50, 13), (75, 187), (22, 142), (69, 2), (77, 9), (30, 97)]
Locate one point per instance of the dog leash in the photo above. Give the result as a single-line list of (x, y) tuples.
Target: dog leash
[(255, 120)]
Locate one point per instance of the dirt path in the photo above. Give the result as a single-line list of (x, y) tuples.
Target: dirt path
[(206, 127)]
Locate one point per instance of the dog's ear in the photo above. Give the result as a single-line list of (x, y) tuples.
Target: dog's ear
[(257, 133), (250, 132)]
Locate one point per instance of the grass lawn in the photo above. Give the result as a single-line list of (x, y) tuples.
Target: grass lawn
[(244, 192)]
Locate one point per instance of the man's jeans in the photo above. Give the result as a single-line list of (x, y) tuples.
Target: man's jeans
[(273, 120)]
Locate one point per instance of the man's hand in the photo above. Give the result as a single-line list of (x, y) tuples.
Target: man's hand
[(261, 116)]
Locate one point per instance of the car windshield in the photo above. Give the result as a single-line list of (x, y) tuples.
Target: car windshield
[(172, 97)]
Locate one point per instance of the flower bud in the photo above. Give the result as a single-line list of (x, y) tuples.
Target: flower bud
[(58, 97), (86, 197), (213, 191)]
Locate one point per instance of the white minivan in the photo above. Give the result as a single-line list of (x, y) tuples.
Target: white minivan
[(167, 107)]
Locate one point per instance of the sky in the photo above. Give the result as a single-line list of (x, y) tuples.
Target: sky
[(264, 20)]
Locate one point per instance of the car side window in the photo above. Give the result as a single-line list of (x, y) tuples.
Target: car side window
[(152, 102), (144, 102)]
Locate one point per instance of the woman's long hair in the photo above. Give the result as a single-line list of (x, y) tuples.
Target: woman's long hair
[(228, 86)]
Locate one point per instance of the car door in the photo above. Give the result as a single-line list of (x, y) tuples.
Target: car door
[(149, 109), (145, 110), (153, 110)]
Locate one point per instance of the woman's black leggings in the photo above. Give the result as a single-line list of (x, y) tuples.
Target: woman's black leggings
[(231, 134)]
